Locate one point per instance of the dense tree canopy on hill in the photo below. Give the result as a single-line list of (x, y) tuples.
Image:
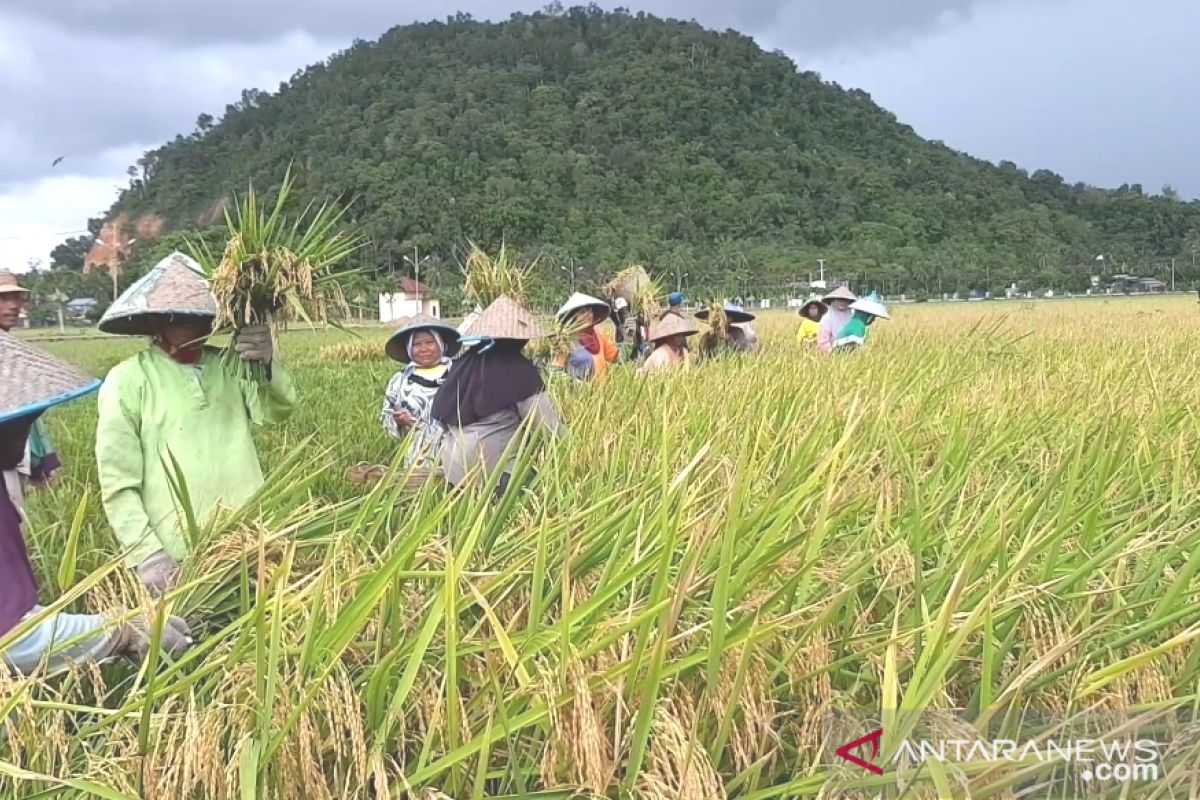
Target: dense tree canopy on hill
[(609, 138)]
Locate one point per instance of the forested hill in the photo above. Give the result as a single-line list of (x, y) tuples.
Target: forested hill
[(610, 138)]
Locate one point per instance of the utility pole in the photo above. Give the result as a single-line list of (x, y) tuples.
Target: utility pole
[(1172, 275), (821, 261)]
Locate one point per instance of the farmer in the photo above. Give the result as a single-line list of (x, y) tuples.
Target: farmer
[(669, 338), (631, 331), (179, 402), (675, 301), (584, 313), (489, 393), (39, 461), (864, 312), (425, 346), (810, 321), (733, 337), (837, 315), (35, 380)]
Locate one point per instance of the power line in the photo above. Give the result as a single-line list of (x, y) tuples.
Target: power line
[(42, 236)]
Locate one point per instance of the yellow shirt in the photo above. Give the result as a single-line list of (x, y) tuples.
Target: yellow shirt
[(807, 335)]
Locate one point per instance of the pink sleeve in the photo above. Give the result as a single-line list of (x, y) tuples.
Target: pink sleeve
[(825, 339)]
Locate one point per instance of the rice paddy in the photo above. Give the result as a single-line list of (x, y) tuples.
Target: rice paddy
[(992, 508)]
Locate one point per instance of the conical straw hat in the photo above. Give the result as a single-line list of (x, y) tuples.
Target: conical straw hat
[(672, 325), (580, 300), (32, 380), (871, 305), (397, 345), (733, 312), (840, 293), (175, 287), (504, 319)]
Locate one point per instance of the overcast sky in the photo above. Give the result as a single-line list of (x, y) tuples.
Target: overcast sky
[(1103, 91)]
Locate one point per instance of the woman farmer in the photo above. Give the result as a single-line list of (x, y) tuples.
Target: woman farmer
[(735, 338), (584, 313), (810, 321), (669, 338), (836, 317), (865, 311), (32, 382), (39, 461), (489, 393), (179, 402), (425, 346)]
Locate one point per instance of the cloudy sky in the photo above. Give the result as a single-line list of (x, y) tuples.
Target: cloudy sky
[(1103, 91)]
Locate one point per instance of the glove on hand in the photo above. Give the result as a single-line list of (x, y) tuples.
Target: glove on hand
[(159, 573), (255, 344), (135, 638)]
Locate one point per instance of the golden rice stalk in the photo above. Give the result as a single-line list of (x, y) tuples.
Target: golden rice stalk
[(353, 351), (639, 290), (718, 329), (487, 278)]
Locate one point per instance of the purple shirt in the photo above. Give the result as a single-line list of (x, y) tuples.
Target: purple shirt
[(18, 587)]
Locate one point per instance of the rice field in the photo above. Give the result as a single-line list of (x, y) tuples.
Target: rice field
[(992, 508)]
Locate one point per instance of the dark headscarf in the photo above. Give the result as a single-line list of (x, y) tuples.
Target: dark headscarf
[(482, 383)]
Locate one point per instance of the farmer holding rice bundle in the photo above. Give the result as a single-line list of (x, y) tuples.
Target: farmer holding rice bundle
[(584, 313), (864, 312), (836, 317), (40, 461), (810, 321), (727, 334), (180, 401), (30, 382), (489, 393), (669, 338), (425, 345)]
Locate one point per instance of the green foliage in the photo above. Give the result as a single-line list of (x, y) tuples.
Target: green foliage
[(71, 253), (615, 139)]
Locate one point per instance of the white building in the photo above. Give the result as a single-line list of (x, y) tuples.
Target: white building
[(412, 299)]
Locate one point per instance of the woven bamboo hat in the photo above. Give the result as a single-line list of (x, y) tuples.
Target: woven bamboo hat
[(397, 345), (504, 319), (174, 288), (733, 312), (672, 325), (9, 285), (871, 305), (840, 293), (811, 301), (578, 301), (32, 380)]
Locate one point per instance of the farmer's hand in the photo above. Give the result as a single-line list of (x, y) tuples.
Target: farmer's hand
[(403, 418), (159, 573), (254, 344), (135, 638)]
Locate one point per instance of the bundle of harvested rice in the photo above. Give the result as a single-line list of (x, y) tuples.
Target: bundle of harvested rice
[(273, 268), (717, 330), (488, 278), (642, 292)]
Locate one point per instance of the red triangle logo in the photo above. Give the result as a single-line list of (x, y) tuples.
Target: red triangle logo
[(846, 751)]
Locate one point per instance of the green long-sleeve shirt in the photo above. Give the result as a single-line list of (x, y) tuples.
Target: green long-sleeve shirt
[(151, 405)]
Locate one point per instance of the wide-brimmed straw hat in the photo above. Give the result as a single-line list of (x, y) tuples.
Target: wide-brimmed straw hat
[(814, 300), (504, 319), (733, 312), (871, 305), (32, 380), (174, 288), (9, 285), (671, 325), (397, 345), (578, 301), (840, 293)]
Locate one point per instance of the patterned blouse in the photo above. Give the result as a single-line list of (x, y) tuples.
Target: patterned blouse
[(412, 389)]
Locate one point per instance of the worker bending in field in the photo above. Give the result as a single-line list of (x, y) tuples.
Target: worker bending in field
[(669, 339), (592, 351), (490, 394), (179, 402), (836, 317), (39, 461), (732, 337), (425, 346), (810, 321), (34, 381)]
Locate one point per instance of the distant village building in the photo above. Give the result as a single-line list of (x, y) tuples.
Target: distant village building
[(413, 298), (1131, 284), (79, 307), (23, 319)]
